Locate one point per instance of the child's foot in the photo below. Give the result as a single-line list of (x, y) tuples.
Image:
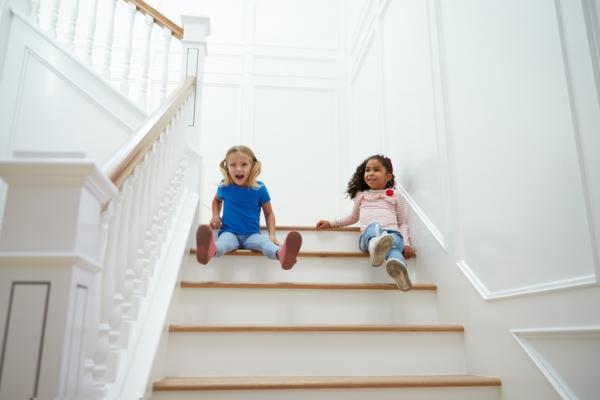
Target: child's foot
[(397, 270), (290, 249), (205, 244), (378, 248)]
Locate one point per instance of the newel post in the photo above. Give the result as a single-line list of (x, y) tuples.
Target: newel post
[(195, 31), (50, 256)]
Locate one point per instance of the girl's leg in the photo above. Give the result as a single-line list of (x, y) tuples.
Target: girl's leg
[(261, 243), (286, 254), (376, 243), (372, 231), (395, 264), (397, 247), (226, 242)]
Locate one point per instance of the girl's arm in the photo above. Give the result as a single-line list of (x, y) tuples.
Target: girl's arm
[(270, 219), (215, 221), (402, 218), (348, 220)]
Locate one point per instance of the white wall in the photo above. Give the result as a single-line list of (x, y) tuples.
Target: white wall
[(490, 112), (275, 81)]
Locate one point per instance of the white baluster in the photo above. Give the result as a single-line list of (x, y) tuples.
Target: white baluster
[(131, 9), (90, 37), (167, 34), (35, 11), (72, 25), (109, 41), (54, 17), (143, 90)]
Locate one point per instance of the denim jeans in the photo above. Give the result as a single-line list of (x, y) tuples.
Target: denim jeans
[(228, 241), (374, 230)]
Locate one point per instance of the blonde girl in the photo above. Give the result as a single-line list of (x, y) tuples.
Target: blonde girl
[(241, 197)]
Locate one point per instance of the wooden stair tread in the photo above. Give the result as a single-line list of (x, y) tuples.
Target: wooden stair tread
[(437, 328), (322, 254), (323, 382), (301, 285), (312, 228)]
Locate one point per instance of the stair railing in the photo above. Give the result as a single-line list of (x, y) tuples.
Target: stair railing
[(144, 41), (89, 256)]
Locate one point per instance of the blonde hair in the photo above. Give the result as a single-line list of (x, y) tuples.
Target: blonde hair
[(254, 172)]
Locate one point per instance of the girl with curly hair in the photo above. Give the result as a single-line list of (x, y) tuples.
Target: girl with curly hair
[(383, 218)]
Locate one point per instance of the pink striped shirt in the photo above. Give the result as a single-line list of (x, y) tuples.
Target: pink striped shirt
[(385, 207)]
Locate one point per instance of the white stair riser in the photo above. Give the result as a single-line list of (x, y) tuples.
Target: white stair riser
[(300, 307), (307, 269), (314, 353), (326, 240), (459, 393)]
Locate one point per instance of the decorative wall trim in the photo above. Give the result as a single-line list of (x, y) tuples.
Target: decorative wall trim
[(552, 286), (522, 337), (42, 334), (42, 260), (437, 234), (583, 174), (364, 51), (294, 58), (254, 43), (357, 32), (75, 346), (52, 43)]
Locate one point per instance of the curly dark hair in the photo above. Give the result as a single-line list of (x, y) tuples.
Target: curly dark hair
[(357, 182)]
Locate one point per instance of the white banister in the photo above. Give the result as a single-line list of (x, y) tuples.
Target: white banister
[(109, 40), (143, 89), (72, 25), (54, 18), (165, 66), (35, 11), (131, 10), (91, 32)]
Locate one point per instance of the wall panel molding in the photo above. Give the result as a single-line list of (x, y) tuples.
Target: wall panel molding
[(545, 287), (357, 33), (575, 116), (588, 336), (431, 227), (19, 309)]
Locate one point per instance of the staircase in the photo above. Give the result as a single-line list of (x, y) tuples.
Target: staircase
[(332, 327)]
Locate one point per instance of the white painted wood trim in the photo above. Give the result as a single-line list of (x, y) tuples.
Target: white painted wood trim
[(552, 286), (521, 335)]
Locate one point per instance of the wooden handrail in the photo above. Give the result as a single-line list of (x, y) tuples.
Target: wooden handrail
[(121, 166), (159, 18)]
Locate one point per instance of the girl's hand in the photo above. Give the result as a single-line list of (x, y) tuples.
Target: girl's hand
[(215, 222), (322, 224), (273, 239), (409, 252)]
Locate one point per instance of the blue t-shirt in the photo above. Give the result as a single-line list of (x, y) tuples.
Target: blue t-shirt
[(241, 207)]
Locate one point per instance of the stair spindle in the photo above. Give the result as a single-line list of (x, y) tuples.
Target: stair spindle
[(72, 25), (91, 32), (109, 41), (35, 11), (54, 18), (167, 34), (131, 10), (143, 91)]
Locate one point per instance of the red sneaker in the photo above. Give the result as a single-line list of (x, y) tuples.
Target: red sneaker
[(290, 249), (205, 244)]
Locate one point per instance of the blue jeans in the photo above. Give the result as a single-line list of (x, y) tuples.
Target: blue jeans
[(373, 230), (228, 241)]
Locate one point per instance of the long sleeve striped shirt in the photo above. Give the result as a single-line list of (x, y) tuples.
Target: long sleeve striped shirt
[(386, 207)]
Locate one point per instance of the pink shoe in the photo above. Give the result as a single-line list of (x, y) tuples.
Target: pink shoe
[(205, 244), (290, 249)]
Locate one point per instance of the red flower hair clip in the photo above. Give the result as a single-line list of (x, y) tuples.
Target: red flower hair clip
[(389, 192)]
